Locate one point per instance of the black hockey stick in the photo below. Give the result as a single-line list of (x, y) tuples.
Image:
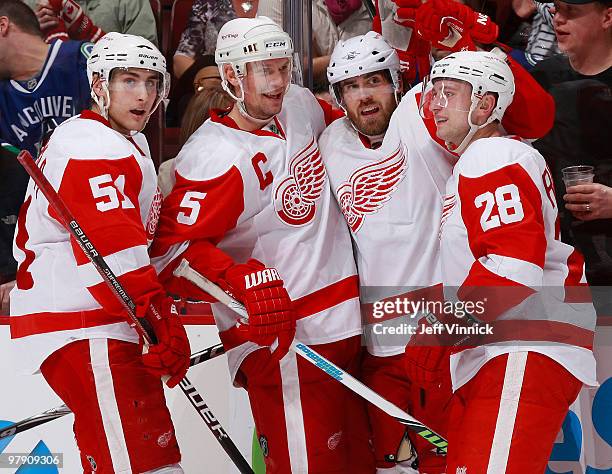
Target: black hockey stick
[(327, 366), (369, 5), (140, 324), (55, 413)]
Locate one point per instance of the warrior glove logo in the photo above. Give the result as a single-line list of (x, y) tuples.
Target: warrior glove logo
[(296, 195), (370, 187)]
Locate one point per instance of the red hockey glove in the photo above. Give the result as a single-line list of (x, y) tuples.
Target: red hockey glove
[(452, 26), (426, 357), (271, 314), (170, 356), (428, 351), (405, 14), (78, 24)]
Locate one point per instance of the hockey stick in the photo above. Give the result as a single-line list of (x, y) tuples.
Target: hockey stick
[(57, 412), (140, 324), (185, 271), (370, 8)]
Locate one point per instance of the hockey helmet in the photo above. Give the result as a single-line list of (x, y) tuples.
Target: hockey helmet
[(117, 50), (485, 71), (250, 40), (361, 55)]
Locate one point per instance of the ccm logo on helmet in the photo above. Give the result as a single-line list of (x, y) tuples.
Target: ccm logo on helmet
[(276, 44)]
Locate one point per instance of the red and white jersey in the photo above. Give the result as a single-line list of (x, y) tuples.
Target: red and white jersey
[(265, 195), (500, 246), (108, 182), (391, 198)]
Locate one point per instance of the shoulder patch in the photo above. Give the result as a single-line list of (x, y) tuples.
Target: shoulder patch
[(86, 49)]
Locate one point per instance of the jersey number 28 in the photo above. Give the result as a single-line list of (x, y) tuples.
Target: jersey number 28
[(507, 200)]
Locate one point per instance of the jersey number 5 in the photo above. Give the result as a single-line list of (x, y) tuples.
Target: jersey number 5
[(191, 200), (509, 207), (105, 189)]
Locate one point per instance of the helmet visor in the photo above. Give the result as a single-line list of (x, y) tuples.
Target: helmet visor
[(443, 93), (270, 76), (372, 85), (140, 82)]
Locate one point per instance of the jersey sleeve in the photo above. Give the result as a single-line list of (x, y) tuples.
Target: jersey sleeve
[(199, 213), (532, 111), (502, 213), (103, 196)]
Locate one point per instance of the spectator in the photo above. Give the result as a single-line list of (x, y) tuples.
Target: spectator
[(334, 20), (133, 17), (200, 35), (40, 85), (581, 84), (13, 182), (197, 112), (542, 42), (203, 73)]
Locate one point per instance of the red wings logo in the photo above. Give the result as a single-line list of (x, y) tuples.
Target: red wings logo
[(296, 195), (447, 209), (370, 187), (153, 217)]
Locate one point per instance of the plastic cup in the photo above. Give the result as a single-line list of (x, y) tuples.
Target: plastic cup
[(575, 175)]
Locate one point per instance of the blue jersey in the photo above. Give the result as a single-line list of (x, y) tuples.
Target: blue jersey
[(31, 109)]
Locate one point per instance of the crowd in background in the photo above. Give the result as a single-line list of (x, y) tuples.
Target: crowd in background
[(567, 46)]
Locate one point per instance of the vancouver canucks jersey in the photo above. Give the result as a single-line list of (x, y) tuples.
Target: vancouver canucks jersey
[(31, 109)]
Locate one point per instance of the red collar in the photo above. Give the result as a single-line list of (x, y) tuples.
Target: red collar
[(91, 115), (222, 116)]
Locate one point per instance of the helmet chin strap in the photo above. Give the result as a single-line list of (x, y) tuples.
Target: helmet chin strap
[(241, 106), (473, 128)]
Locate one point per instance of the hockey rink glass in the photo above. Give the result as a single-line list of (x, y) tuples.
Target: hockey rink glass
[(443, 94), (125, 80), (271, 76), (368, 86)]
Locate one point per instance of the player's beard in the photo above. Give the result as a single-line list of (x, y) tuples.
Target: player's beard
[(378, 123)]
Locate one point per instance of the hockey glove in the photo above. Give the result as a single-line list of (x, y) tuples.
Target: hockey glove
[(78, 24), (426, 357), (271, 314), (451, 26), (405, 14), (170, 356), (428, 351)]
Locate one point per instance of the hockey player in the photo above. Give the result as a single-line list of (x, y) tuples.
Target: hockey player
[(388, 173), (65, 321), (40, 85), (250, 187), (500, 247)]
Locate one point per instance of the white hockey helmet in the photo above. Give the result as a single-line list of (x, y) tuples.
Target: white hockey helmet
[(486, 72), (117, 50), (361, 55), (244, 40)]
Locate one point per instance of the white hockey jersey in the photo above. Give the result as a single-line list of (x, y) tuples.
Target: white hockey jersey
[(500, 246), (265, 195), (391, 198), (108, 182)]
